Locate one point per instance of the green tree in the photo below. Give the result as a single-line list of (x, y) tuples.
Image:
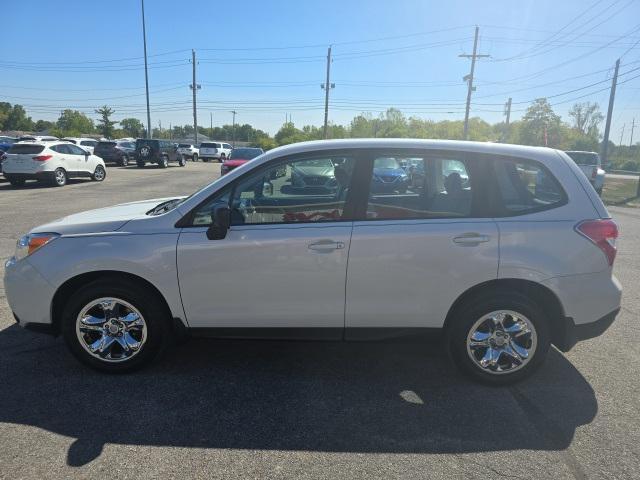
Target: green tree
[(44, 126), (17, 119), (73, 123), (106, 125), (540, 125), (132, 127), (288, 133), (5, 110), (586, 118)]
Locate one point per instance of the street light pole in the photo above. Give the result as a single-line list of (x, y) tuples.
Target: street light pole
[(146, 72), (233, 129)]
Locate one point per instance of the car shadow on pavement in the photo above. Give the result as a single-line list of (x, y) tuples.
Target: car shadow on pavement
[(330, 397)]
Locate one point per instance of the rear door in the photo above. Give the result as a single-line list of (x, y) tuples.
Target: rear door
[(417, 246)]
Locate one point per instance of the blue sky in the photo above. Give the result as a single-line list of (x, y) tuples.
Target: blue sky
[(267, 59)]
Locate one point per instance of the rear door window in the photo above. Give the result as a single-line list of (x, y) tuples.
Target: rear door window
[(525, 187), (25, 149), (431, 186)]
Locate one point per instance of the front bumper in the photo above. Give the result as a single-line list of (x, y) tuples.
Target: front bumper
[(28, 293), (572, 333)]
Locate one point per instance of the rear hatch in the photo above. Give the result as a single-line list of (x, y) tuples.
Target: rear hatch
[(24, 158), (208, 149)]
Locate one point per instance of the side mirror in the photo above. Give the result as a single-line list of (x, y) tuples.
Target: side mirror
[(220, 222)]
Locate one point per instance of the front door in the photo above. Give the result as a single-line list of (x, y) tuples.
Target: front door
[(283, 263), (422, 241)]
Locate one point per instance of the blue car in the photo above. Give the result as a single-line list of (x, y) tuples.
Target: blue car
[(389, 177)]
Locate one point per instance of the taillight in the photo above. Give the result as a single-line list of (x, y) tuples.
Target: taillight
[(603, 234), (43, 158)]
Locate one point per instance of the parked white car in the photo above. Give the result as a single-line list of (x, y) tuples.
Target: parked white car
[(516, 259), (215, 151), (189, 151), (591, 165), (51, 162), (86, 143)]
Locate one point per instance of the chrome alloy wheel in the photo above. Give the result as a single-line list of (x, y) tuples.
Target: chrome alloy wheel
[(111, 329), (502, 342)]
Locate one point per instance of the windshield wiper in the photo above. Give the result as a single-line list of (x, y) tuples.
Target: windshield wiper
[(164, 207)]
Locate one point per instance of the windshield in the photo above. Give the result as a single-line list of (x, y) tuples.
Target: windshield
[(585, 158), (245, 153)]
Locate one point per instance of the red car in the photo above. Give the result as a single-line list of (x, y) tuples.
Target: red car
[(239, 156)]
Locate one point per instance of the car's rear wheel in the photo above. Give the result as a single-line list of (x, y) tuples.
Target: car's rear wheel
[(499, 338), (99, 174), (182, 161), (124, 161), (59, 178), (222, 158), (164, 162), (139, 164), (195, 157), (15, 181), (114, 326)]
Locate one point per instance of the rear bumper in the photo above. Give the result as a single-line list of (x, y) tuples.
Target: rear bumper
[(572, 333), (30, 176)]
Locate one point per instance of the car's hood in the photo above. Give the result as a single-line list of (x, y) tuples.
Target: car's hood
[(311, 171), (389, 172), (108, 219)]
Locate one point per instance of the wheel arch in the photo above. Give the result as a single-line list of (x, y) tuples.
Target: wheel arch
[(61, 297), (545, 298)]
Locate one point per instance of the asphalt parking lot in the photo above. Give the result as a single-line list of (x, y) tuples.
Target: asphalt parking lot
[(229, 409)]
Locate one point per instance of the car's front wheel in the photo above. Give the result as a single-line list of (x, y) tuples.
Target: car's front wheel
[(114, 326), (164, 162), (124, 161), (182, 161), (195, 157), (499, 338)]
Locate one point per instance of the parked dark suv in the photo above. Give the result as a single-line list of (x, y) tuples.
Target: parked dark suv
[(160, 152), (120, 153)]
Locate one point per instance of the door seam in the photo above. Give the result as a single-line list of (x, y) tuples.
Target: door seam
[(346, 279)]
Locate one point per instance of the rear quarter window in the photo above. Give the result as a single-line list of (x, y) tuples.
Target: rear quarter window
[(525, 186), (26, 149)]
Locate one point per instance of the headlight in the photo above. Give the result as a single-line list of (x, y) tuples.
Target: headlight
[(28, 244)]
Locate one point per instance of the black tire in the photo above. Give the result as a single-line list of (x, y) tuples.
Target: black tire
[(139, 164), (59, 178), (99, 174), (206, 160), (182, 161), (15, 182), (464, 318), (155, 317), (194, 157), (124, 161), (164, 161), (222, 158)]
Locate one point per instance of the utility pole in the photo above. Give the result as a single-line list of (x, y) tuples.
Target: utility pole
[(622, 134), (633, 126), (211, 123), (146, 72), (469, 80), (233, 129), (607, 128), (507, 112), (327, 86), (195, 87), (170, 132)]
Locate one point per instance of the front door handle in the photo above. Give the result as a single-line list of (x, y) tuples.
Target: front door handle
[(470, 239), (326, 246)]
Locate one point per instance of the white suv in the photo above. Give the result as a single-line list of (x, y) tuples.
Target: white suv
[(87, 144), (505, 249), (189, 151), (52, 162), (214, 151)]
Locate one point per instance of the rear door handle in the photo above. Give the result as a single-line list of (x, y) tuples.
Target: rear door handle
[(470, 239), (326, 246)]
